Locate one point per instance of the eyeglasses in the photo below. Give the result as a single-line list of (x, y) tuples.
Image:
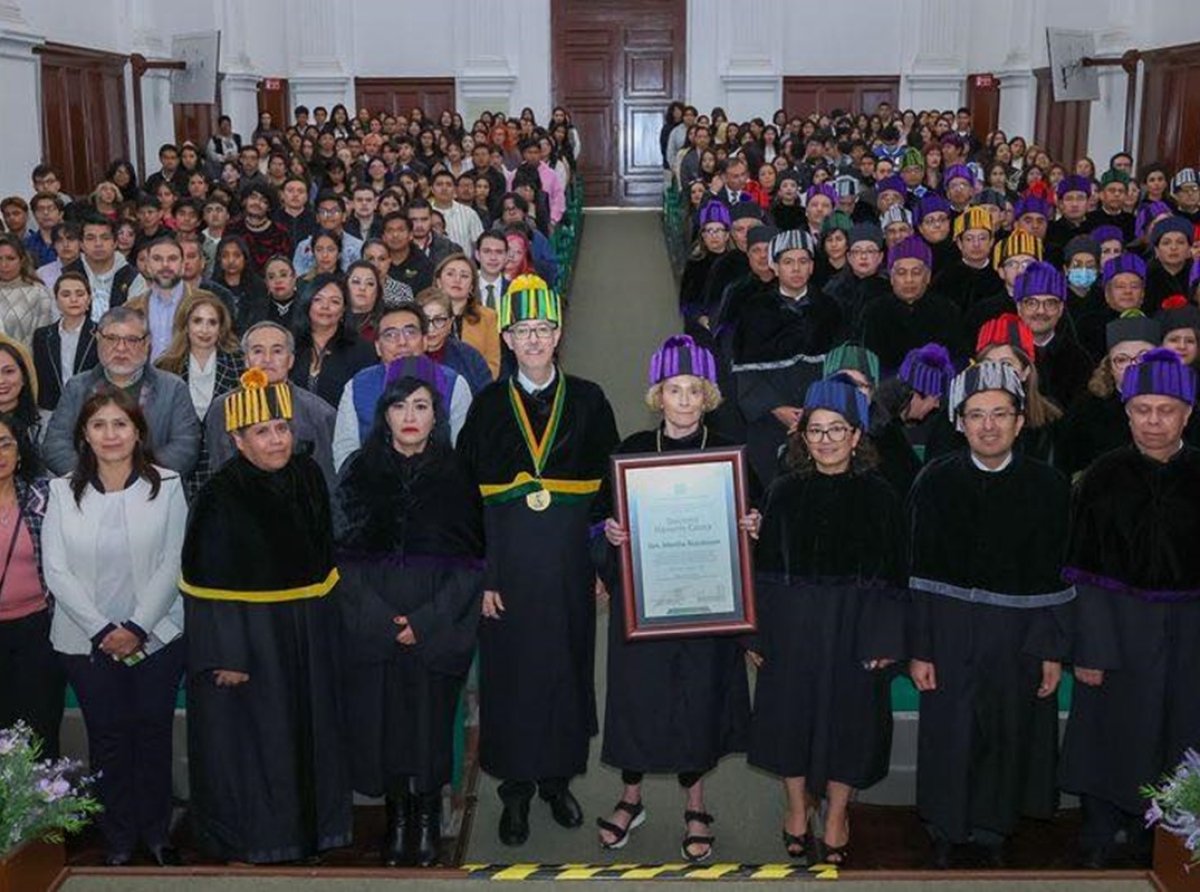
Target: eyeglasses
[(980, 417), (8, 444), (533, 332), (1124, 360), (123, 340), (437, 323), (713, 230), (1018, 263), (1042, 304), (404, 333), (865, 252), (329, 212), (835, 433)]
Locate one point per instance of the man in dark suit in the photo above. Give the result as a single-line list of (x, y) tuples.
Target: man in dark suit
[(491, 251)]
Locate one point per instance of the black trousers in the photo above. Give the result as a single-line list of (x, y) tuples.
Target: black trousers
[(1103, 820), (33, 685), (129, 711), (547, 787)]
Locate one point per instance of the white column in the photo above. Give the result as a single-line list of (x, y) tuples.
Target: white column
[(1018, 86), (319, 35), (485, 70), (749, 57), (20, 74), (158, 116), (937, 72), (1106, 127), (239, 100)]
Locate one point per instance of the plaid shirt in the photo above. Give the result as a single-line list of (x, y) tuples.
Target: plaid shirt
[(32, 499)]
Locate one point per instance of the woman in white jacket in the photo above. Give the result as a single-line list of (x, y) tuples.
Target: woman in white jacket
[(111, 543)]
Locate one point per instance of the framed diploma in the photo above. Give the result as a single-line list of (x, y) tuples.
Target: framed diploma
[(686, 569)]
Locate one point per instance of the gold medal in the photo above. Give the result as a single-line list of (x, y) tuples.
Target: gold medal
[(538, 500)]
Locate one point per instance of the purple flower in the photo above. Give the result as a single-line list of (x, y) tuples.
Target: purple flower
[(53, 789), (1154, 814)]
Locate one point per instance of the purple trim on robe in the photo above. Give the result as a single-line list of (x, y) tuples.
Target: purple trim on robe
[(1155, 596), (596, 529)]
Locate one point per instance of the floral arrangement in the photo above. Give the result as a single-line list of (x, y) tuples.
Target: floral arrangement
[(1175, 803), (39, 799)]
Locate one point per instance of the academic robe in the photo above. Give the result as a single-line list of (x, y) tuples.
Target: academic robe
[(410, 543), (537, 695), (1064, 367), (778, 350), (1094, 425), (675, 704), (853, 294), (988, 607), (892, 327), (830, 582), (966, 285), (1123, 220), (269, 780), (726, 269), (1133, 554)]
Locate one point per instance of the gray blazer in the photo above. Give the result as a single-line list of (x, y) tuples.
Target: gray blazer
[(312, 425), (166, 403)]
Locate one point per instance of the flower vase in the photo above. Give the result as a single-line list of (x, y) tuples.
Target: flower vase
[(32, 866), (1171, 862)]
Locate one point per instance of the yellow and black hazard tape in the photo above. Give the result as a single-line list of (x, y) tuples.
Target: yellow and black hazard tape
[(680, 871)]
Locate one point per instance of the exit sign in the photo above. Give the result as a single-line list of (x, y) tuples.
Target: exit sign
[(985, 81), (272, 84)]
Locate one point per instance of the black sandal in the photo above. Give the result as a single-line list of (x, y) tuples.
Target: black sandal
[(637, 817), (795, 846), (838, 856), (706, 819)]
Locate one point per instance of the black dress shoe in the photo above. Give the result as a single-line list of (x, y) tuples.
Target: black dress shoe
[(118, 859), (565, 809), (397, 849), (939, 859), (165, 856), (514, 822), (428, 841), (1095, 858)]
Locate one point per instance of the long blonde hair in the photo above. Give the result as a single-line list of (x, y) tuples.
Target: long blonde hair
[(175, 357)]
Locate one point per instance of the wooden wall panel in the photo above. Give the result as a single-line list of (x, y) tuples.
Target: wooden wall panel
[(1170, 125), (400, 95), (84, 119), (1061, 128), (803, 96)]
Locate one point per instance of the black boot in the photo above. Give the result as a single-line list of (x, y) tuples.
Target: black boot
[(399, 821), (428, 828)]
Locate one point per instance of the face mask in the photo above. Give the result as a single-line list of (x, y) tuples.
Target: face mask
[(1081, 278)]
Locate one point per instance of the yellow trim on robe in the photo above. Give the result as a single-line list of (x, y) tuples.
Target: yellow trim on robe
[(316, 590), (523, 478)]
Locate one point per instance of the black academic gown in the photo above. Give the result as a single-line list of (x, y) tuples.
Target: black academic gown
[(778, 350), (269, 778), (986, 743), (1133, 554), (1064, 367), (410, 543), (676, 704), (853, 294), (536, 664), (830, 583), (892, 327), (966, 286), (1093, 426)]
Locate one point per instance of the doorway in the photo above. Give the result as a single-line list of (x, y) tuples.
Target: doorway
[(617, 65), (400, 95), (803, 96)]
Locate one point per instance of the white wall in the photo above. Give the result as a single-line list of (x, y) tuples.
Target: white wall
[(499, 52)]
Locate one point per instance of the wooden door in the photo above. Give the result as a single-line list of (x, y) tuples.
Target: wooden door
[(196, 121), (983, 99), (1061, 128), (617, 65), (84, 122), (400, 95), (803, 96), (1170, 128), (273, 98)]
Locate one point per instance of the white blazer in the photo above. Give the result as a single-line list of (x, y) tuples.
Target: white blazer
[(69, 534)]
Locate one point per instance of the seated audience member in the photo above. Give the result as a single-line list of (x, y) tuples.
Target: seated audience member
[(123, 347)]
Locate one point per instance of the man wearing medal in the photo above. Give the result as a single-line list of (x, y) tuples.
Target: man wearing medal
[(538, 445)]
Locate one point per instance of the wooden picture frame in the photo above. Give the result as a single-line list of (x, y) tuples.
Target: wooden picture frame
[(686, 569)]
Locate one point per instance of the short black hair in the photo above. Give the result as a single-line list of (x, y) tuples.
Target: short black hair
[(438, 174), (327, 195), (96, 219), (167, 147), (223, 118), (419, 204), (396, 215), (70, 229), (146, 200), (299, 110), (44, 170), (496, 234)]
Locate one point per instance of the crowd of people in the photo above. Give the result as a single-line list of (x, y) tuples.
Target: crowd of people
[(925, 339), (313, 453)]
